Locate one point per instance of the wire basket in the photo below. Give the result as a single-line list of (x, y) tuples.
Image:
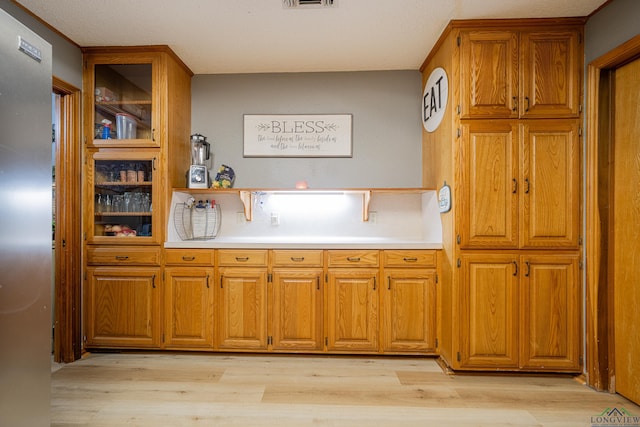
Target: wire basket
[(197, 221)]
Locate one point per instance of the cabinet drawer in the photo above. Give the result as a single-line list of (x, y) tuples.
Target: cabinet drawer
[(123, 256), (188, 257), (352, 258), (242, 257), (403, 258), (293, 258)]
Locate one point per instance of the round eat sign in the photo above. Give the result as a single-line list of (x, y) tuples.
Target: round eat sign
[(434, 99)]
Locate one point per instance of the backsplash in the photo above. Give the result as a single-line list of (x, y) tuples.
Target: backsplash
[(322, 216)]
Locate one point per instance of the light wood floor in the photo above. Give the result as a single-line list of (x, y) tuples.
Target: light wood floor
[(179, 390)]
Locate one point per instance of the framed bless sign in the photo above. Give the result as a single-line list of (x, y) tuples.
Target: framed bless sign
[(296, 135)]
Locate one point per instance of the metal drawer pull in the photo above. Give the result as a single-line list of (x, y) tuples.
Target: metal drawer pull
[(121, 257), (515, 270), (188, 258), (353, 258), (297, 259), (413, 259), (242, 258)]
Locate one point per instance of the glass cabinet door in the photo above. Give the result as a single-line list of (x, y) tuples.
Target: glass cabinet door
[(123, 190), (123, 104)]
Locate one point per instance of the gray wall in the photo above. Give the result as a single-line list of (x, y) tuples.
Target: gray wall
[(610, 27), (386, 125), (67, 58)]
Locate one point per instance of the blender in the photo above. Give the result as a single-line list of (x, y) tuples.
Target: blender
[(198, 175)]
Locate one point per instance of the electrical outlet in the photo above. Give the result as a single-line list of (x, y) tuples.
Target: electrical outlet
[(373, 217), (240, 219), (275, 218)]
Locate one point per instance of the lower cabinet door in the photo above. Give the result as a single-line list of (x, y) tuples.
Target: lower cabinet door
[(520, 311), (188, 308), (489, 310), (409, 311), (550, 314), (352, 310), (242, 308), (122, 307), (296, 303)]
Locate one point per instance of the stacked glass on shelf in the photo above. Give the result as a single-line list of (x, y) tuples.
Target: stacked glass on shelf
[(123, 198), (130, 201)]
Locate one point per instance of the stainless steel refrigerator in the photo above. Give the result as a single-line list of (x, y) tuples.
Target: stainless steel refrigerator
[(25, 225)]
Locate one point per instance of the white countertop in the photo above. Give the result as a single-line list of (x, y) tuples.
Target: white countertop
[(319, 242)]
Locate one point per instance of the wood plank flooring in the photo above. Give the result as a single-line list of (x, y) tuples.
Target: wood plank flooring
[(184, 390)]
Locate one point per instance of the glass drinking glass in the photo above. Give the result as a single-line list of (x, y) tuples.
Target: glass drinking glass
[(146, 203), (106, 204), (118, 203), (128, 202)]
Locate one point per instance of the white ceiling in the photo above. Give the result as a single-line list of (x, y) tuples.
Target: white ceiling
[(258, 36)]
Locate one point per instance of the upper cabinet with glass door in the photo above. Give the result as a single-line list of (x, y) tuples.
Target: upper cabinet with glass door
[(124, 190), (122, 99)]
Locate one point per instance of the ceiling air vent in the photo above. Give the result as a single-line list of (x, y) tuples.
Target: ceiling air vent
[(307, 4)]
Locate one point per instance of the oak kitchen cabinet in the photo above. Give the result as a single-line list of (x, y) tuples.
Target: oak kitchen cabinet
[(352, 301), (127, 204), (409, 301), (519, 311), (122, 298), (509, 146), (261, 300), (188, 299), (295, 301), (136, 82), (241, 299), (512, 73), (519, 184), (125, 193)]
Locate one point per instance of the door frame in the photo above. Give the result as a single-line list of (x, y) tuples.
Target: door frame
[(67, 342), (599, 360)]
